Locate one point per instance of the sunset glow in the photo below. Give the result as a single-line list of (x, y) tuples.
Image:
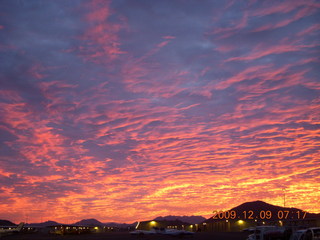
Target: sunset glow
[(132, 109)]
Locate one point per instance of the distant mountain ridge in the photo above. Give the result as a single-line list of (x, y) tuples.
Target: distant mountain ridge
[(6, 223), (43, 224), (121, 225), (257, 206), (89, 222), (260, 209), (187, 219)]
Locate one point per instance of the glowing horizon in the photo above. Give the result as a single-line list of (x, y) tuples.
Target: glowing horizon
[(72, 220), (129, 110)]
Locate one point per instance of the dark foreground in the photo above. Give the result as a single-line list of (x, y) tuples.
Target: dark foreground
[(126, 235)]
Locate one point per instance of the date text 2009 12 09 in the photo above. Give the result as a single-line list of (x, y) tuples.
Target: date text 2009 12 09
[(263, 214)]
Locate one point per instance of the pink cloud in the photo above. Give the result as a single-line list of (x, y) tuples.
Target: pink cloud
[(101, 40), (236, 26), (300, 14), (101, 11), (169, 37), (37, 71), (225, 48), (259, 51), (310, 30), (249, 73), (284, 7)]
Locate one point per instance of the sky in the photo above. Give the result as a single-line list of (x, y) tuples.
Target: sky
[(127, 110)]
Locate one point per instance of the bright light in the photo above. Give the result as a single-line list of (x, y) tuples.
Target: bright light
[(228, 220), (136, 226), (241, 222), (96, 228), (153, 223)]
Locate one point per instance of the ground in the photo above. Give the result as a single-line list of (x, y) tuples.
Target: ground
[(127, 236)]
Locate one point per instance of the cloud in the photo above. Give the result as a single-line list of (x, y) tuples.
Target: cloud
[(129, 108), (101, 37)]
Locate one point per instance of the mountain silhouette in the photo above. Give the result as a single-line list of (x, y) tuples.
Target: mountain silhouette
[(186, 219), (264, 211), (44, 224), (89, 222), (6, 223)]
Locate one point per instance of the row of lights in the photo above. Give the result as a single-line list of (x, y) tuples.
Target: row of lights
[(108, 227), (240, 222), (172, 226), (75, 227)]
